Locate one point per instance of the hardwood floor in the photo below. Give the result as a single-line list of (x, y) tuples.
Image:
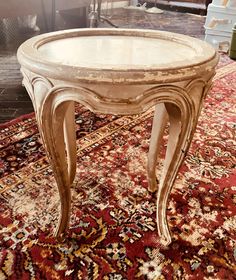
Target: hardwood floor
[(188, 6), (14, 100)]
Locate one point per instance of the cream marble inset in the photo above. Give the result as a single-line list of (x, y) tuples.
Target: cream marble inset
[(116, 52)]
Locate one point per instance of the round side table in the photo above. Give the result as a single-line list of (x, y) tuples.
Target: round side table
[(117, 71)]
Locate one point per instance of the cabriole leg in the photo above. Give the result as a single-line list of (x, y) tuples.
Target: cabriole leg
[(159, 123), (180, 131), (58, 129)]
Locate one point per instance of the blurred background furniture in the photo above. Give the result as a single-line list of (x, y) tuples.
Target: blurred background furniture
[(45, 8), (31, 17), (191, 6), (95, 17), (221, 17)]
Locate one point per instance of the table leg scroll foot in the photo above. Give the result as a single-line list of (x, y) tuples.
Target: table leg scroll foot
[(165, 241), (64, 218), (61, 237)]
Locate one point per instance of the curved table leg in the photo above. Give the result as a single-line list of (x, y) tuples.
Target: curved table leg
[(159, 122), (58, 130), (70, 139), (173, 159)]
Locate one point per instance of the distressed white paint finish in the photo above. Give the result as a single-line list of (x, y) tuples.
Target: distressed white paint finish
[(117, 71)]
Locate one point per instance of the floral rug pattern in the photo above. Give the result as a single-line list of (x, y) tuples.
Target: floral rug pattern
[(112, 233)]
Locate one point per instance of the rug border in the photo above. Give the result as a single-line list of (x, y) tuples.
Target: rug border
[(16, 120)]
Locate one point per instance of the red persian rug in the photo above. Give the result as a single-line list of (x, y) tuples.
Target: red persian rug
[(113, 234)]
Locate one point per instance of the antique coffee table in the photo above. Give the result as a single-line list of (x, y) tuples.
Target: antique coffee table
[(117, 71)]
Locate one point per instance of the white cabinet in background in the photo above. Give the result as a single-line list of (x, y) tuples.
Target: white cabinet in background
[(221, 17)]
